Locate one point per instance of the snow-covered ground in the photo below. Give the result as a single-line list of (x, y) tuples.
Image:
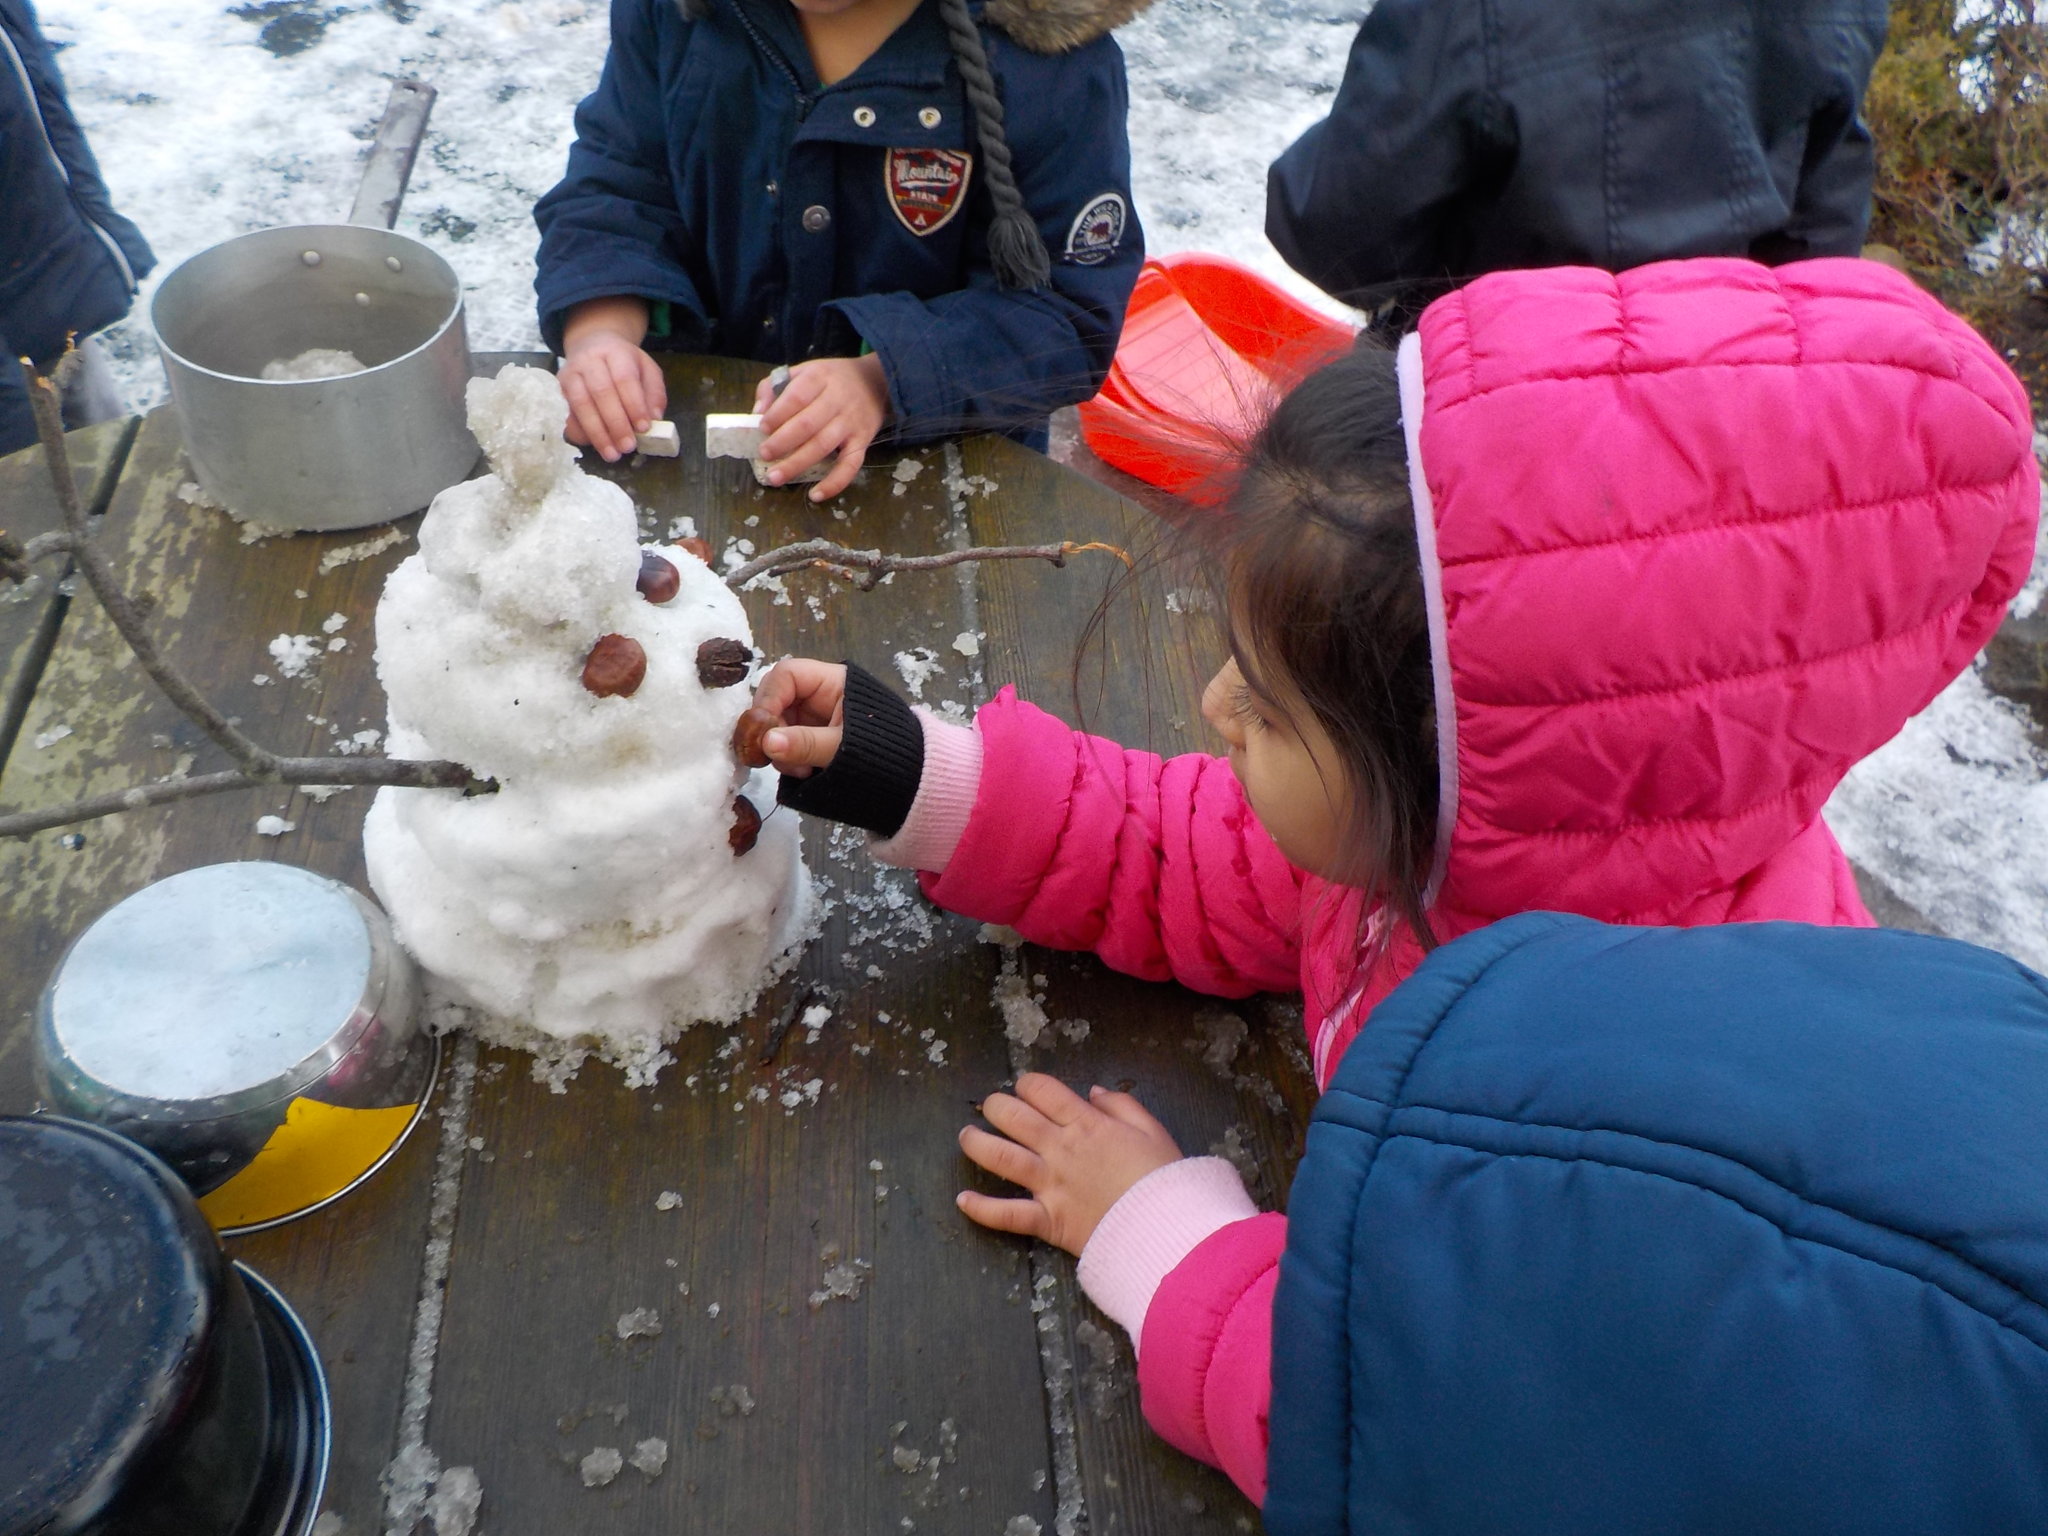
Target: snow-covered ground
[(210, 121)]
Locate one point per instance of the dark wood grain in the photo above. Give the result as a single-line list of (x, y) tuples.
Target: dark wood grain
[(1227, 1078)]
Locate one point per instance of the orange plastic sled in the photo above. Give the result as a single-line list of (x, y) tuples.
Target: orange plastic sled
[(1208, 347)]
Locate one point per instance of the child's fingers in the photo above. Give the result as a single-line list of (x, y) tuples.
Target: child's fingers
[(1016, 1119), (851, 457), (1002, 1157), (587, 399), (1051, 1098), (653, 386), (629, 385), (1026, 1217), (798, 395), (1121, 1106), (802, 746), (802, 691)]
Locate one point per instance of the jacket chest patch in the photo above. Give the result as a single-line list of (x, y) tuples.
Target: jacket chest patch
[(926, 186)]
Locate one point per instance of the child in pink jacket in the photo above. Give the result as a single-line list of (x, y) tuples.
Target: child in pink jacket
[(1585, 603)]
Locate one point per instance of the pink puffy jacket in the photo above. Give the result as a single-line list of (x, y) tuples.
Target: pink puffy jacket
[(1696, 538)]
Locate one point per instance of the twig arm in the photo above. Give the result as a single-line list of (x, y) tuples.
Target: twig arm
[(43, 401), (869, 566), (348, 771)]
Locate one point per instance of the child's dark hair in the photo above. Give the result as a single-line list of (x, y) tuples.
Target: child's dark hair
[(1015, 248), (1322, 585)]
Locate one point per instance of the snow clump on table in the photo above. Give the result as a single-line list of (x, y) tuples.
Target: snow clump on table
[(626, 878)]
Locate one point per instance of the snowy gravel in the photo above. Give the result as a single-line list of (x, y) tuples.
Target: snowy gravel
[(211, 121)]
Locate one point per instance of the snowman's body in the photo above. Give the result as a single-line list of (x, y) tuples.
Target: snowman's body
[(596, 900)]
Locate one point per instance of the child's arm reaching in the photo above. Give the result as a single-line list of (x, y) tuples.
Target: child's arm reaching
[(1156, 865)]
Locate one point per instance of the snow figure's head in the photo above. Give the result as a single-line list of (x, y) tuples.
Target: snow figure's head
[(612, 887)]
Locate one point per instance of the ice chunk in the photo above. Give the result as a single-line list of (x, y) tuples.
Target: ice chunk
[(640, 1323), (454, 1503), (274, 826), (649, 1456), (601, 1466), (313, 363), (293, 655)]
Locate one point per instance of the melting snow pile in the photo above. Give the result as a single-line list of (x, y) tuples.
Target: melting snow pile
[(620, 883)]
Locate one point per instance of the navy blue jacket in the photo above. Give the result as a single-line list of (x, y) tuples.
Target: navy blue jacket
[(1635, 1232), (1470, 136), (68, 262), (713, 173)]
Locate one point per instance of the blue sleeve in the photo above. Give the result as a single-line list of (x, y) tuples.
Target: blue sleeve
[(985, 357), (1361, 199), (611, 226)]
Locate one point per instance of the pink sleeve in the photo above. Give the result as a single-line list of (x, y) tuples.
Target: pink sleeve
[(1156, 865), (1205, 1368)]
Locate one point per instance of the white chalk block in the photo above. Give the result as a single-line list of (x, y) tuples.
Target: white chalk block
[(739, 437), (732, 437), (660, 440)]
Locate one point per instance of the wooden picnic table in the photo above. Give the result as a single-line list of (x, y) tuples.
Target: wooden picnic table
[(968, 1382)]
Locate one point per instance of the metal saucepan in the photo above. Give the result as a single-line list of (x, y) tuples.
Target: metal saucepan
[(337, 452)]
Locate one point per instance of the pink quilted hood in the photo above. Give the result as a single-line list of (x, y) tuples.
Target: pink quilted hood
[(1698, 537)]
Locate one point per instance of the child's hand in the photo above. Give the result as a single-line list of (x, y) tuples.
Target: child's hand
[(831, 403), (615, 391), (1076, 1156), (809, 697)]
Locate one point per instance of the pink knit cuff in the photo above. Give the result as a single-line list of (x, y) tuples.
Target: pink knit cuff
[(945, 798), (1160, 1220)]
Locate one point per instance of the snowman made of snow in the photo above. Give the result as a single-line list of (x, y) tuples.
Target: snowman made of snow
[(621, 882)]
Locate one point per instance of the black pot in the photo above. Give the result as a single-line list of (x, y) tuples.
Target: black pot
[(148, 1387)]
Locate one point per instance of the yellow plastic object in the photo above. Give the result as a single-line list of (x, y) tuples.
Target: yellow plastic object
[(319, 1151)]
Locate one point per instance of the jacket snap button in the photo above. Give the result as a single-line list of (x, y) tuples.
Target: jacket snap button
[(864, 117), (817, 218), (929, 117), (774, 188), (768, 324)]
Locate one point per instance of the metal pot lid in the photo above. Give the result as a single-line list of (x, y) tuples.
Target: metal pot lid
[(222, 984), (108, 1280)]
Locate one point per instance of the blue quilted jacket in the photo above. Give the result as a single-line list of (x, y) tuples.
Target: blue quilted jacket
[(1706, 1231), (68, 261)]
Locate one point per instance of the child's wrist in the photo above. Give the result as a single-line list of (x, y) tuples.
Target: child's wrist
[(873, 778), (622, 316)]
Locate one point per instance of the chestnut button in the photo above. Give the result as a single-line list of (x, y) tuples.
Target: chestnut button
[(864, 117), (817, 218)]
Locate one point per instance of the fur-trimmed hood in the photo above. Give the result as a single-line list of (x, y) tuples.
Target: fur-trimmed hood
[(1043, 26)]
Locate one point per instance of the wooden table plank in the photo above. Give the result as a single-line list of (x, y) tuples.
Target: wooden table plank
[(31, 613), (1228, 1078), (559, 1235)]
